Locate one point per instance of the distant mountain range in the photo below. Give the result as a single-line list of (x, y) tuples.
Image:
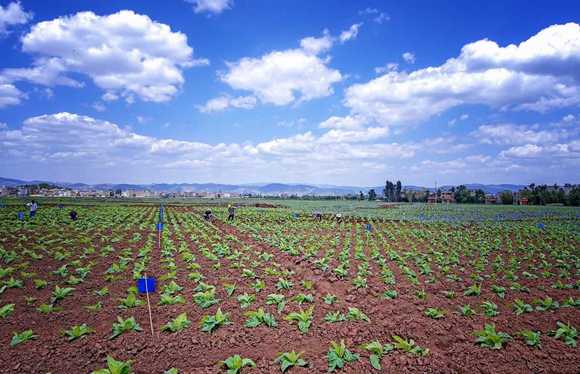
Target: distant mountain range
[(253, 188)]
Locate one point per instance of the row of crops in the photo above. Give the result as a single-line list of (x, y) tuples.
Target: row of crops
[(274, 290)]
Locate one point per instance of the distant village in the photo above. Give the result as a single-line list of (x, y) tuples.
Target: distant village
[(392, 193)]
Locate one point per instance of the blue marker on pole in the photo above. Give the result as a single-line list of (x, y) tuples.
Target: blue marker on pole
[(368, 227), (159, 226), (146, 285), (21, 216)]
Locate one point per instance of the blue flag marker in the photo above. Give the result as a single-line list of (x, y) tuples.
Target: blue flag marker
[(146, 285), (21, 216), (541, 226), (160, 226), (368, 227)]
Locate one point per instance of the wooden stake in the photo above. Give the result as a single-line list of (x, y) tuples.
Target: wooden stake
[(149, 306)]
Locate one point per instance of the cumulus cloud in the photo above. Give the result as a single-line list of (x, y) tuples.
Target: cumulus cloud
[(409, 57), (350, 34), (224, 102), (126, 54), (539, 74), (211, 6), (512, 134), (283, 77), (376, 15), (12, 15), (10, 95)]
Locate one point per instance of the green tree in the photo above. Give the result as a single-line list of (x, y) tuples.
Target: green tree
[(506, 197)]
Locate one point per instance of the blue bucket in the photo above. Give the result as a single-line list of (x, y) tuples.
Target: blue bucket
[(146, 284)]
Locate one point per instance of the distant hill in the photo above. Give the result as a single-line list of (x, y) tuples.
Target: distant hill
[(254, 188)]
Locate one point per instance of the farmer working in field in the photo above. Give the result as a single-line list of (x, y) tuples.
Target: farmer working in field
[(73, 215), (33, 207), (231, 213), (207, 215)]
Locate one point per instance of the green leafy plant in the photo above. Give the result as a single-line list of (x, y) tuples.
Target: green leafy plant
[(230, 288), (473, 290), (259, 317), (165, 299), (178, 324), (377, 351), (498, 290), (278, 300), (338, 356), (94, 307), (355, 314), (546, 304), (489, 309), (210, 323), (131, 301), (6, 310), (115, 367), (302, 298), (124, 325), (489, 338), (39, 283), (566, 332), (290, 359), (434, 313), (532, 338), (408, 346), (329, 299), (205, 299), (48, 308), (303, 318), (466, 310), (60, 293), (235, 363), (77, 332), (283, 284), (520, 307), (246, 300), (102, 292), (21, 337)]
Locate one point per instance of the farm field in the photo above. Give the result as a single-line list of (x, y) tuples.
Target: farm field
[(438, 289)]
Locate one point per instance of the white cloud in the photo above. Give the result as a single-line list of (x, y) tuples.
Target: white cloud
[(126, 54), (565, 150), (568, 118), (221, 103), (282, 77), (342, 123), (211, 6), (377, 16), (350, 34), (409, 57), (511, 134), (3, 126), (462, 117), (99, 107), (10, 95), (12, 15), (538, 74), (391, 66)]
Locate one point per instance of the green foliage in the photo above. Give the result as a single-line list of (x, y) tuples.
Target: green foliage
[(303, 318), (283, 284), (489, 309), (520, 307), (259, 317), (532, 338), (77, 332), (473, 290), (329, 299), (567, 333), (48, 308), (178, 324), (338, 356), (302, 298), (246, 300), (489, 338), (466, 310), (278, 300), (165, 299), (377, 351), (290, 359), (21, 337), (408, 346), (334, 317), (124, 325), (6, 310), (434, 313), (355, 314), (210, 323), (39, 283), (230, 288), (205, 299), (131, 301), (115, 367), (235, 363)]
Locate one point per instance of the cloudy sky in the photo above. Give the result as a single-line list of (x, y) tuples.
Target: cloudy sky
[(325, 92)]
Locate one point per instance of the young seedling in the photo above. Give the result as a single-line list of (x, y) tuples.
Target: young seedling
[(338, 356), (290, 359), (258, 285), (377, 351), (205, 299), (520, 307), (115, 367), (329, 298), (210, 323), (498, 290), (473, 290), (489, 309), (334, 317), (246, 300), (532, 338), (235, 363), (434, 313), (283, 284), (303, 318), (40, 283), (259, 317), (408, 346), (131, 301), (165, 299), (307, 284), (230, 288), (489, 338), (94, 307), (60, 293), (546, 304), (355, 314), (48, 308), (102, 292), (567, 333), (302, 298), (77, 332), (6, 310), (466, 310), (178, 324), (125, 325), (278, 300), (21, 337)]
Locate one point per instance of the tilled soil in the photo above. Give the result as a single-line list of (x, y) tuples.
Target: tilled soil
[(450, 340)]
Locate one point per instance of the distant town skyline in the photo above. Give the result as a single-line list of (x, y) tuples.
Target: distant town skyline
[(325, 92)]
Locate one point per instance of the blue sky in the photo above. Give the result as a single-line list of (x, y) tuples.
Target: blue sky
[(334, 92)]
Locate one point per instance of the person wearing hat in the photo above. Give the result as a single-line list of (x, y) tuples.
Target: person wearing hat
[(231, 212)]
